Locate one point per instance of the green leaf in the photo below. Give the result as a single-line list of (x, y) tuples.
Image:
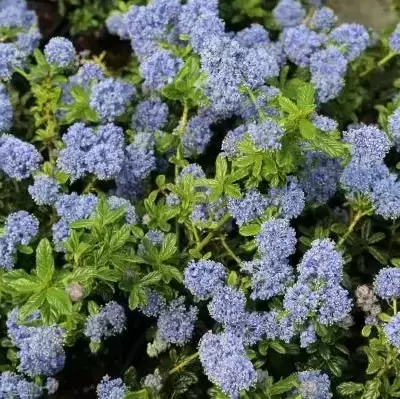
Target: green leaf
[(288, 105), (160, 181), (366, 331), (82, 224), (168, 248), (24, 285), (277, 347), (150, 279), (142, 394), (232, 190), (305, 96), (372, 389), (93, 308), (33, 303), (331, 144), (137, 297), (59, 300), (221, 168), (107, 274), (120, 238), (250, 230), (384, 317), (376, 237), (232, 278), (395, 262), (44, 261), (349, 388), (379, 255), (307, 129), (170, 272), (25, 249), (94, 346), (114, 215), (283, 386)]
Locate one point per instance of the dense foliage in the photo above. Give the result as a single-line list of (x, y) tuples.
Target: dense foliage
[(216, 218)]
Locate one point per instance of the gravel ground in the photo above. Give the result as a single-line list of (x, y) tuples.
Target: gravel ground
[(373, 13)]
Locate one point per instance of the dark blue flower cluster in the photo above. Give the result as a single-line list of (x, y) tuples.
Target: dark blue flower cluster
[(111, 388), (175, 323), (110, 321), (41, 351), (367, 173), (19, 26), (87, 151), (20, 229), (18, 159), (318, 289)]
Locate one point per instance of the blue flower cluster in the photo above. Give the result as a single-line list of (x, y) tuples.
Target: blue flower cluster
[(392, 330), (225, 362), (6, 110), (150, 115), (110, 321), (394, 40), (314, 384), (289, 13), (197, 134), (387, 283), (60, 52), (20, 229), (320, 177), (394, 127), (175, 323), (45, 190), (271, 273), (204, 278), (18, 160), (110, 97), (155, 304), (111, 388), (71, 207), (20, 26), (367, 173), (318, 288), (41, 351), (138, 162), (323, 19), (248, 208), (87, 151), (13, 385), (290, 199)]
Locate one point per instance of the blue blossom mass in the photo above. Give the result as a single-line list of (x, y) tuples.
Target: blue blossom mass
[(314, 384), (392, 330), (111, 388), (175, 323), (110, 321), (110, 97), (150, 115), (277, 239), (387, 283), (18, 159), (45, 190), (13, 385), (225, 362), (6, 110), (288, 13), (204, 278), (60, 52)]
